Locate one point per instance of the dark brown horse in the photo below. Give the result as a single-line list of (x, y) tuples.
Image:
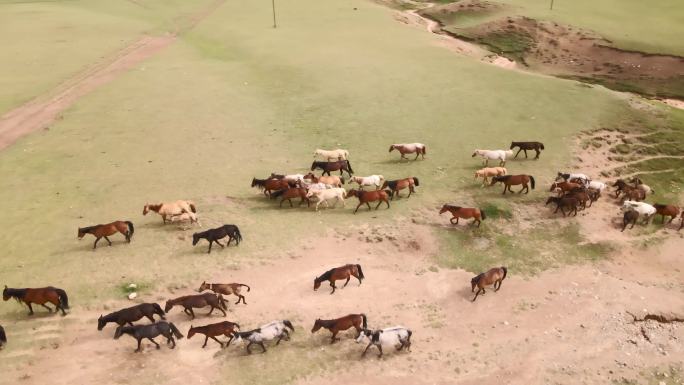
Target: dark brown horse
[(396, 185), (671, 211), (581, 195), (140, 332), (465, 213), (524, 146), (369, 196), (341, 165), (226, 289), (512, 180), (131, 314), (357, 321), (198, 301), (289, 193), (339, 273), (492, 276), (270, 184), (628, 217), (225, 328), (39, 296), (563, 203), (3, 337), (104, 231)]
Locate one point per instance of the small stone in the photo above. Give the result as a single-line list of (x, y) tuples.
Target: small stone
[(132, 296)]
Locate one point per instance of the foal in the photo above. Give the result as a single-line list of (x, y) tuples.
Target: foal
[(358, 321), (214, 235), (225, 328), (369, 196), (103, 231), (492, 276), (226, 289), (339, 273), (400, 184), (39, 296), (512, 180), (465, 213), (198, 301)]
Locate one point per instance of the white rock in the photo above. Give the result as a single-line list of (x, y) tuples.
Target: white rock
[(133, 295), (132, 286)]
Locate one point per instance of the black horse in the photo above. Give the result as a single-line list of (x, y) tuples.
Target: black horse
[(630, 216), (213, 235), (524, 146), (341, 165), (139, 332), (3, 337), (131, 314), (564, 202)]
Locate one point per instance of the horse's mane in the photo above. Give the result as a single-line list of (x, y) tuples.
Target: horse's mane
[(392, 183), (501, 177), (477, 278), (325, 276), (452, 207), (88, 229), (659, 205), (17, 294)]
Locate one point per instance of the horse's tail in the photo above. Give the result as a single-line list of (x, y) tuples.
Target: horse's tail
[(288, 324), (532, 181), (192, 206), (410, 333), (358, 267), (222, 301), (238, 235), (505, 270), (349, 167), (541, 145), (341, 179), (423, 150), (130, 228), (3, 337), (365, 321), (63, 298), (158, 310), (415, 180), (482, 213), (277, 193), (242, 284), (175, 331)]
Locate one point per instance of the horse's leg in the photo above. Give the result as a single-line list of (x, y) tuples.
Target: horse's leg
[(368, 204), (192, 313), (222, 311), (417, 155), (263, 348), (95, 244), (290, 201), (386, 201), (538, 152), (523, 188), (476, 294), (30, 308), (411, 191), (48, 308), (219, 243), (516, 154), (366, 350), (215, 339), (505, 188), (345, 284), (357, 207), (478, 222), (525, 153), (332, 284), (210, 243), (380, 349), (378, 205), (206, 338), (334, 337), (139, 349), (211, 310)]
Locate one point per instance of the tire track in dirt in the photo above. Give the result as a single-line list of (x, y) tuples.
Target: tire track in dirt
[(43, 110)]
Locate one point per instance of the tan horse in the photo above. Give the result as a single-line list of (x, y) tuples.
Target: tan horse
[(465, 213), (226, 289), (492, 276), (169, 209), (409, 148), (486, 172)]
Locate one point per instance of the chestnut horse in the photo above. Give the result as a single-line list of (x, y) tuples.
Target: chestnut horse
[(270, 184), (39, 296), (400, 184), (226, 289), (339, 273), (341, 165), (464, 212), (563, 187), (225, 328), (409, 148), (198, 301), (103, 231), (369, 196), (358, 321), (512, 180), (293, 192), (492, 276)]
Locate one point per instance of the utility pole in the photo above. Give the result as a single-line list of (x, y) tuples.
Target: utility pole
[(274, 14)]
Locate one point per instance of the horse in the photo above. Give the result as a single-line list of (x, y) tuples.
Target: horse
[(486, 172), (338, 154), (563, 187), (491, 276), (339, 273), (369, 196), (225, 328), (186, 217), (213, 235), (642, 208), (3, 337), (357, 321), (409, 148), (226, 289), (400, 184), (512, 180), (524, 146), (169, 209), (271, 184), (188, 302), (641, 186), (332, 180), (131, 314), (341, 165), (681, 223), (39, 296), (633, 194), (582, 195), (596, 185), (620, 187), (493, 155), (630, 216), (267, 332), (292, 192), (397, 335), (139, 332), (666, 210), (323, 196), (568, 177), (564, 202), (372, 180), (464, 212), (103, 231)]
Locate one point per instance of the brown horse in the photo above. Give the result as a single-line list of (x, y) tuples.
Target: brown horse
[(103, 231), (492, 276), (464, 212), (400, 184), (339, 273), (563, 187), (512, 180), (293, 192), (666, 210), (225, 328), (198, 301), (581, 195), (358, 321), (39, 296), (369, 196), (563, 203), (226, 289), (270, 184)]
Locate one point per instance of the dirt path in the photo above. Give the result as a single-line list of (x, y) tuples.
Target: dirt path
[(45, 109)]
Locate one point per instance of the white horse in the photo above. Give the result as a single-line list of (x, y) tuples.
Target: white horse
[(397, 336), (292, 178), (493, 155), (316, 186), (325, 195), (186, 217), (596, 185), (372, 180), (338, 154), (642, 208), (268, 332)]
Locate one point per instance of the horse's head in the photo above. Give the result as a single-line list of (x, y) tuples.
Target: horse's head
[(204, 286), (288, 324), (475, 153), (474, 281), (195, 238), (254, 183), (191, 332), (444, 209), (146, 209), (317, 283), (551, 199), (317, 325), (512, 145), (561, 177), (392, 147), (168, 306), (351, 193), (554, 186), (509, 152), (101, 323), (495, 179), (365, 333), (314, 165), (118, 333), (5, 294), (81, 233)]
